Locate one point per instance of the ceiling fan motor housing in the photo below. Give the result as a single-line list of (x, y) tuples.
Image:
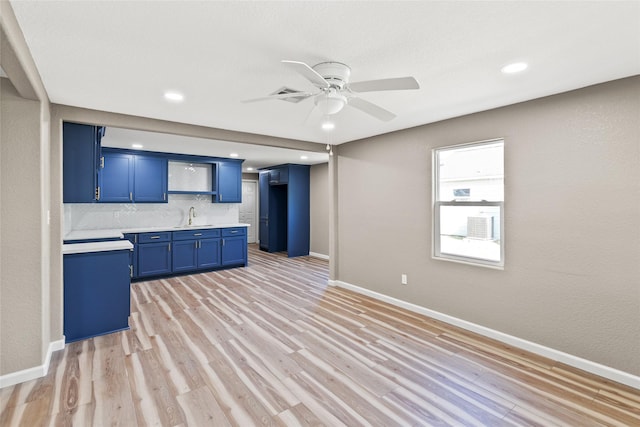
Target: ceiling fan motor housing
[(335, 73)]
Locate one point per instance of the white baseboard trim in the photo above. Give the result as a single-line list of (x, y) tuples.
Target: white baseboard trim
[(317, 255), (32, 373), (569, 359)]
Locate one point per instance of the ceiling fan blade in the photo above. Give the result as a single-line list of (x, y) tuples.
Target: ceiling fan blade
[(371, 109), (308, 73), (280, 96), (398, 83)]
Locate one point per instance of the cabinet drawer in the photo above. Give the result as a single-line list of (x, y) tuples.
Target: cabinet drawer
[(154, 237), (235, 231), (196, 234)]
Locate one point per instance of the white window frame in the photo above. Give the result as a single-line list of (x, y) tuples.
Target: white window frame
[(437, 204)]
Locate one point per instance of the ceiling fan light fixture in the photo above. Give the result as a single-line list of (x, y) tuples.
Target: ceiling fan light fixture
[(331, 103)]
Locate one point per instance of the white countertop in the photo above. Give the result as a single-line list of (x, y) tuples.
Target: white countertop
[(119, 233), (113, 245)]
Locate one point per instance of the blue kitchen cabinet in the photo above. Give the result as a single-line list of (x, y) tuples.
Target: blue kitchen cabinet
[(154, 254), (273, 214), (185, 255), (285, 209), (132, 178), (80, 162), (228, 181), (263, 210), (133, 261), (196, 249), (234, 246), (209, 253), (116, 177), (150, 179), (96, 293), (279, 175), (298, 211)]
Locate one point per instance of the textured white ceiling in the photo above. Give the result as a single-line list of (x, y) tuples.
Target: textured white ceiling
[(121, 56)]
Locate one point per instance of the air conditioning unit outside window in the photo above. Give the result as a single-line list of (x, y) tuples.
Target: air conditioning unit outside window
[(480, 227)]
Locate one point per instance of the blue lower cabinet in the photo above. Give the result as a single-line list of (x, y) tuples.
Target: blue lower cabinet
[(209, 253), (185, 255), (96, 293), (234, 246), (154, 259), (185, 251)]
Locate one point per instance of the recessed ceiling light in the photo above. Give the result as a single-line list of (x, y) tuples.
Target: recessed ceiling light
[(234, 154), (516, 67), (328, 125), (304, 157), (173, 96), (137, 145), (249, 169)]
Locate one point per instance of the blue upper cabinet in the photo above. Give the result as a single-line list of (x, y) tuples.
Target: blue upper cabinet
[(228, 182), (150, 179), (80, 162), (116, 177), (129, 178)]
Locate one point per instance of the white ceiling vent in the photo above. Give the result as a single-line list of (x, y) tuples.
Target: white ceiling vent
[(295, 99)]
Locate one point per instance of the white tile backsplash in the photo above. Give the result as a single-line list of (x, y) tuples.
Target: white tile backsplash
[(96, 216)]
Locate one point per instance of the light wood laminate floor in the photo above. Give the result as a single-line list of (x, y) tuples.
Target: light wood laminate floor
[(272, 344)]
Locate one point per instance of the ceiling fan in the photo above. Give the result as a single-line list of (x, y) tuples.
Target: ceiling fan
[(335, 91)]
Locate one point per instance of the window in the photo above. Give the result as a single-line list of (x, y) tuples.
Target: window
[(468, 208)]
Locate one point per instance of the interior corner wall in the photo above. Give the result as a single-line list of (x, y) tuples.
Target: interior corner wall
[(572, 191), (319, 191), (22, 295)]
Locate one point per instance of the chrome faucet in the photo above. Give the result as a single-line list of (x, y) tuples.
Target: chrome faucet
[(192, 214)]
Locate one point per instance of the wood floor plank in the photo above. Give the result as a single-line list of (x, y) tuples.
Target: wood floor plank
[(273, 344)]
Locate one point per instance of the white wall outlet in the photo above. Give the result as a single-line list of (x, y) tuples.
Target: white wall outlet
[(403, 279)]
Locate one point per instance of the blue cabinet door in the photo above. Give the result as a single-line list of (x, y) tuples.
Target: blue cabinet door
[(80, 159), (150, 179), (234, 250), (229, 182), (96, 294), (116, 178), (154, 259), (185, 255), (133, 261), (298, 211), (263, 207), (208, 253)]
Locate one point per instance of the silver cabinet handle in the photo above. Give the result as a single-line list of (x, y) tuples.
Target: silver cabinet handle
[(130, 195), (154, 237), (197, 234), (234, 231)]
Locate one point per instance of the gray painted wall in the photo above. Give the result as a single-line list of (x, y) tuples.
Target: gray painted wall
[(319, 188), (572, 189), (23, 291)]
